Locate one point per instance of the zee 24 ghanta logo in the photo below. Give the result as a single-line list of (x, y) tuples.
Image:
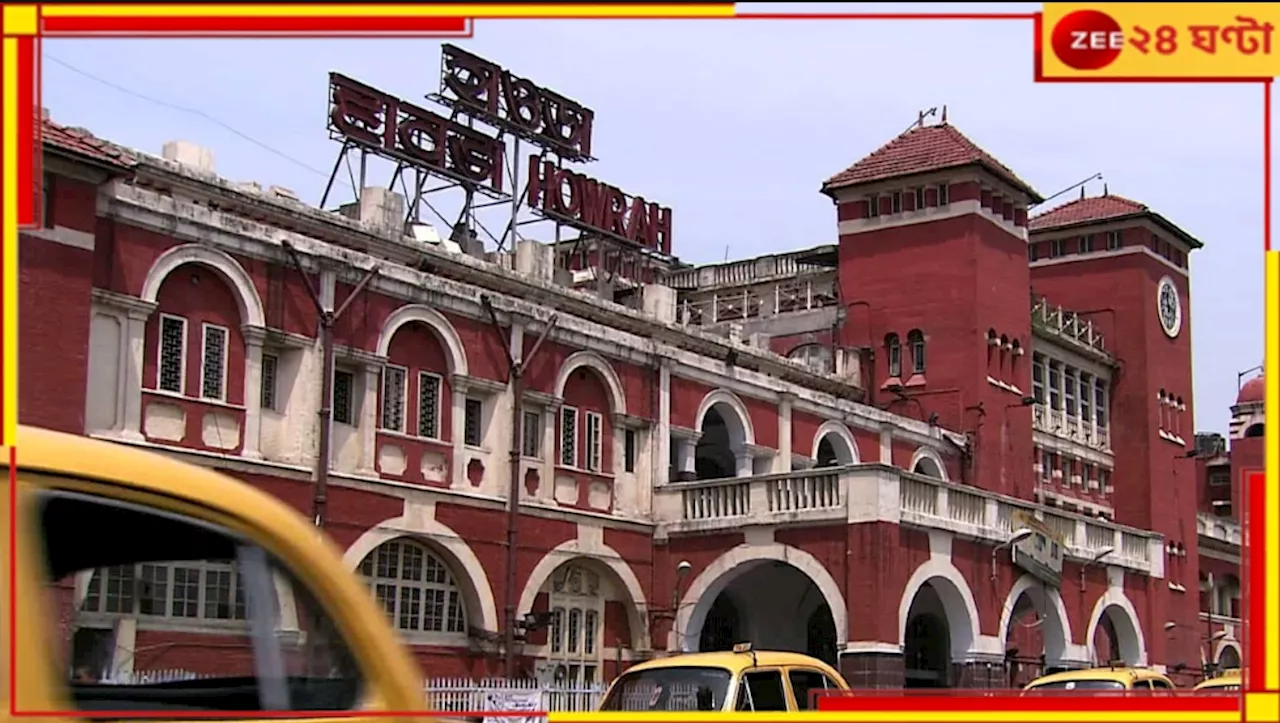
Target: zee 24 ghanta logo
[(1092, 39)]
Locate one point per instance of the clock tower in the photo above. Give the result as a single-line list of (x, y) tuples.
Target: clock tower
[(1125, 267)]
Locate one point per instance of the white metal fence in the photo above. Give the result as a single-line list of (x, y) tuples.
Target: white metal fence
[(454, 695)]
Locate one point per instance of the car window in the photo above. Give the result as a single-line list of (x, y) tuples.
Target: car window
[(804, 682), (163, 613), (1160, 685), (684, 688), (762, 690), (1080, 685)]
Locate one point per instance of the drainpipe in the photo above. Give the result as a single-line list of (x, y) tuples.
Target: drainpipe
[(515, 373), (328, 318)]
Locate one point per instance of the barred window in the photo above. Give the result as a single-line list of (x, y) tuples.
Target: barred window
[(344, 390), (429, 405), (393, 393), (569, 437), (473, 423), (595, 442), (213, 364), (173, 353), (531, 433), (270, 372)]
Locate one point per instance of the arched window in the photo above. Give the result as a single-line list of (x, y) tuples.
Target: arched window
[(893, 351), (915, 339), (1255, 430), (415, 587), (574, 646)]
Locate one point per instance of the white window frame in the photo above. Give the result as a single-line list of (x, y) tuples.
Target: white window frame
[(921, 200), (895, 202), (944, 194), (402, 401), (1038, 385), (480, 423), (873, 206), (589, 605), (567, 412), (1115, 240), (222, 363), (449, 590), (536, 452), (594, 461), (98, 591), (439, 382), (182, 354)]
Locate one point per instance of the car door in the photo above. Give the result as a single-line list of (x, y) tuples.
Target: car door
[(762, 689), (804, 682), (158, 608)]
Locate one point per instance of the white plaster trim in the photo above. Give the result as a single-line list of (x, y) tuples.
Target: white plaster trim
[(929, 454), (957, 603), (1128, 632), (606, 371), (731, 400), (1222, 646), (585, 547), (838, 429), (862, 647), (1069, 258), (418, 524), (62, 235), (438, 323), (250, 303), (709, 583), (1057, 639)]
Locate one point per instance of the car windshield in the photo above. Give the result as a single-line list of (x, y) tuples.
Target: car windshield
[(1080, 685), (669, 689)]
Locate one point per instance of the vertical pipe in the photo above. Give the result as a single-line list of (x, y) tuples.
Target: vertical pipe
[(326, 420)]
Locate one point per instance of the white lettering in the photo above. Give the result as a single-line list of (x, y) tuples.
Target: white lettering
[(1097, 40)]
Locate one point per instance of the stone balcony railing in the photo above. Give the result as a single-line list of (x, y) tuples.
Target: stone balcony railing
[(1221, 529), (875, 492)]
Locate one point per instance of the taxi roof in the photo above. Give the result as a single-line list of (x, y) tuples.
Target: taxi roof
[(1228, 677), (733, 662), (71, 455), (1118, 673)]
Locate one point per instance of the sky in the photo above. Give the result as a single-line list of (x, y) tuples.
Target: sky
[(735, 125)]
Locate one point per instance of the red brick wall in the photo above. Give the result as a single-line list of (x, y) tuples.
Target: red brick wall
[(54, 297)]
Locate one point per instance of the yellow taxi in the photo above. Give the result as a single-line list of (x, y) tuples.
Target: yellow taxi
[(1113, 678), (1228, 680), (150, 588), (741, 680)]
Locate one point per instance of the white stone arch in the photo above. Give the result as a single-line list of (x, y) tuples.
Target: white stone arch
[(957, 603), (707, 586), (929, 456), (463, 563), (251, 310), (592, 360), (1124, 617), (444, 330), (1221, 649), (605, 556), (846, 451), (739, 422), (1056, 628)]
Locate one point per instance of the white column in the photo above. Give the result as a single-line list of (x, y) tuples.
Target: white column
[(782, 461), (457, 427), (886, 444), (253, 338), (368, 465), (686, 452), (745, 462), (661, 431), (132, 350)]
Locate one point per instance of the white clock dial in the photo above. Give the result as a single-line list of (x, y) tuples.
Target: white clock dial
[(1169, 307)]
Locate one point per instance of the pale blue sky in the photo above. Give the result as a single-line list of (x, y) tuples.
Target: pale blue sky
[(736, 124)]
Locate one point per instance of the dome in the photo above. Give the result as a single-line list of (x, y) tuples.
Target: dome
[(1254, 390)]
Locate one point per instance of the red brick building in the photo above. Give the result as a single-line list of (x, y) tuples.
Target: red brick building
[(826, 451)]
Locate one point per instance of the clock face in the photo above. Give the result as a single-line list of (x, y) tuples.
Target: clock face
[(1169, 307)]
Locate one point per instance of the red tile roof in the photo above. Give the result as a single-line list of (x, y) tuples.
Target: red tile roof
[(1254, 390), (83, 143), (1086, 210), (920, 150)]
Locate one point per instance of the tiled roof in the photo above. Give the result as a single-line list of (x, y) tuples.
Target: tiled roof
[(83, 143), (1085, 210), (920, 150)]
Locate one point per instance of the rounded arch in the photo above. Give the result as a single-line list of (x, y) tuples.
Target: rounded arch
[(1227, 655), (251, 310), (707, 586), (433, 319), (927, 462), (739, 421), (607, 558), (1124, 619), (846, 449), (1048, 604), (592, 360), (957, 602), (472, 579)]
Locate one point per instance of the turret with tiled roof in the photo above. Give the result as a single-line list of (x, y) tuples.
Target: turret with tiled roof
[(1107, 223)]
